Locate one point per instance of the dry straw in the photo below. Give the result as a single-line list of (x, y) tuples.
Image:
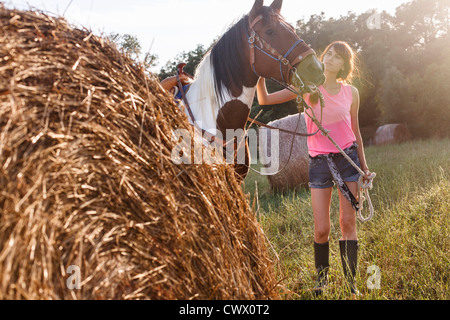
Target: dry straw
[(87, 180)]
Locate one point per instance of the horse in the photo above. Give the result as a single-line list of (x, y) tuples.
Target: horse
[(260, 44)]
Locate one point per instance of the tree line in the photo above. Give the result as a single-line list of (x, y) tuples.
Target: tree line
[(404, 63)]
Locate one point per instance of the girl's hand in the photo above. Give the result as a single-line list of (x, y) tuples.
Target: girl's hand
[(368, 176), (184, 79)]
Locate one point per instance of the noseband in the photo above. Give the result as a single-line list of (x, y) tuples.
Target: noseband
[(299, 50)]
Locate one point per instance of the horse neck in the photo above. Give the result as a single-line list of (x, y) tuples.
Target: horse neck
[(231, 60), (248, 79), (204, 99)]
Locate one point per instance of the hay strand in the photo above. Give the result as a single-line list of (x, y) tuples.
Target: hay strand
[(87, 180)]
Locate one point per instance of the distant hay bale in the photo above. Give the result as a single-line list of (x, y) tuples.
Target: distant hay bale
[(88, 188), (368, 135), (391, 134), (293, 163)]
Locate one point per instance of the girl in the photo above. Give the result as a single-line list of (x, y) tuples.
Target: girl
[(340, 116)]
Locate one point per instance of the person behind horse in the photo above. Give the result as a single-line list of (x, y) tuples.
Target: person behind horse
[(340, 116), (170, 84)]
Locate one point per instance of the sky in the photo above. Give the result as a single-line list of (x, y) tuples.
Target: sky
[(169, 27)]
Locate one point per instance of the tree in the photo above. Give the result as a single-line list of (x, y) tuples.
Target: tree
[(132, 47), (419, 97), (429, 110), (422, 21), (394, 94), (191, 58)]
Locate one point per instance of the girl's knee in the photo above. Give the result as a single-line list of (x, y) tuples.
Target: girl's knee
[(348, 226), (321, 234)]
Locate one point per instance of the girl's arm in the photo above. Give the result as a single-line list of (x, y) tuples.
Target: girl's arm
[(355, 127), (264, 98), (171, 82)]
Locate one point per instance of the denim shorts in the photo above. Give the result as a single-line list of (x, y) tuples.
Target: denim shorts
[(320, 176)]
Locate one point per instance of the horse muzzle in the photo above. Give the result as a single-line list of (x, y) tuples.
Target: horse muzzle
[(309, 74)]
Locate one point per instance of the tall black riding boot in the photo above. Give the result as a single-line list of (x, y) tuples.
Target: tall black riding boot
[(349, 257), (321, 259)]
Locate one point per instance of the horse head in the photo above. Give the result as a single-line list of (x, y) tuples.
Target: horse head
[(275, 50)]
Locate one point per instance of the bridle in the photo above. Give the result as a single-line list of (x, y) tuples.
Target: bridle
[(296, 54)]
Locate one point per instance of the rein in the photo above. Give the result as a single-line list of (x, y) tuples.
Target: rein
[(298, 134)]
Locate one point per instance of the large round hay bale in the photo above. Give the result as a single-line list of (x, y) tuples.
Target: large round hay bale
[(391, 134), (91, 205), (293, 154)]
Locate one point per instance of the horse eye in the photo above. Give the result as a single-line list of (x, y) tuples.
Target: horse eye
[(269, 32)]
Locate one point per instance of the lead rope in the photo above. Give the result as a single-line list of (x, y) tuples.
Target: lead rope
[(363, 187)]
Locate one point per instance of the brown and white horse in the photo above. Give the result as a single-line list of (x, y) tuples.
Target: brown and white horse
[(261, 44)]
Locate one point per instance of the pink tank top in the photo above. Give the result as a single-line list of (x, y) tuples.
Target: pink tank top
[(336, 119)]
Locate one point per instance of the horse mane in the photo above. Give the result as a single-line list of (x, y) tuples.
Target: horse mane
[(227, 57), (219, 72)]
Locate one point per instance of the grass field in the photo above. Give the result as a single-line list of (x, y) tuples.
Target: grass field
[(408, 239)]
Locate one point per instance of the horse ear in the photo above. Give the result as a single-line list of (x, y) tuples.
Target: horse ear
[(256, 8), (276, 5)]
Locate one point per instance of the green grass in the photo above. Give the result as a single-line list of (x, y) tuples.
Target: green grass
[(408, 238)]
